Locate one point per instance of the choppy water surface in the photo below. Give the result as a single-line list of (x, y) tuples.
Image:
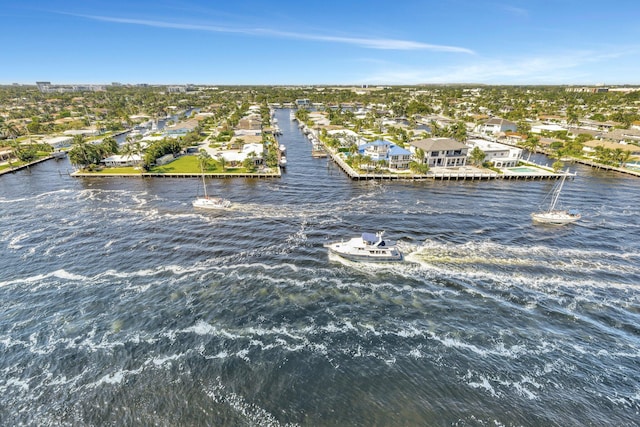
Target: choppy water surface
[(121, 305)]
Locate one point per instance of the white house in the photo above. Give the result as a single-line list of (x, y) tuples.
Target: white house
[(547, 128), (441, 152), (496, 125), (119, 161), (59, 142), (501, 155), (237, 157)]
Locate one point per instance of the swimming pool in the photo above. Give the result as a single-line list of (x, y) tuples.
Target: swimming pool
[(524, 169)]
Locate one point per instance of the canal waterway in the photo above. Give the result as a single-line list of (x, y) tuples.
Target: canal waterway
[(122, 305)]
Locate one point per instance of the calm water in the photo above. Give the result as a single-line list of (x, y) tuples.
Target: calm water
[(121, 305)]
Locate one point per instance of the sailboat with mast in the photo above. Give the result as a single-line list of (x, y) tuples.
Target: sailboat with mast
[(554, 215), (208, 202)]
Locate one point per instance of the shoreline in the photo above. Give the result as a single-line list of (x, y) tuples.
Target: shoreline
[(79, 174)]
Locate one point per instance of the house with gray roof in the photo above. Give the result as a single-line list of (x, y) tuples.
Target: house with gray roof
[(441, 152)]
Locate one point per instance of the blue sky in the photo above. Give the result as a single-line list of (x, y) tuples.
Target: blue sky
[(320, 42)]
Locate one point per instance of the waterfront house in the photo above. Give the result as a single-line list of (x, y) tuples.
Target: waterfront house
[(59, 142), (590, 147), (236, 158), (441, 152), (547, 128), (120, 161), (500, 155), (376, 150), (399, 158), (496, 125), (250, 122), (623, 135), (395, 156)]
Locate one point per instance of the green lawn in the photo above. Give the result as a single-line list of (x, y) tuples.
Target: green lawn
[(191, 164), (183, 164)]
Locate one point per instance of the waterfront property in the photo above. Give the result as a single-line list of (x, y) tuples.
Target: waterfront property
[(396, 157), (500, 155), (59, 142), (495, 125), (121, 161), (444, 152)]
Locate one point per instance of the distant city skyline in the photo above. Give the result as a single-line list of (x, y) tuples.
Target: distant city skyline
[(566, 42)]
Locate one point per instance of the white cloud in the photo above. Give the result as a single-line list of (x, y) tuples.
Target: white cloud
[(369, 43), (573, 67)]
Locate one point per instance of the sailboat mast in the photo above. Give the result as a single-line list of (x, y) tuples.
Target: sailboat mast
[(556, 194), (204, 184)]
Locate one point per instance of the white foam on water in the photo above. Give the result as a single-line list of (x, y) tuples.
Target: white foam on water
[(115, 377), (482, 382), (159, 361), (38, 278), (253, 414), (14, 243), (202, 328), (221, 355), (15, 383), (63, 274)]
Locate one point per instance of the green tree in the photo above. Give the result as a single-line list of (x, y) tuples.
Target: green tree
[(477, 156), (204, 160), (557, 165), (83, 154), (249, 163), (531, 145), (418, 167)]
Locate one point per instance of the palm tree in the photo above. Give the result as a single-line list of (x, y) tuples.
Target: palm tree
[(531, 144), (127, 151), (9, 130), (82, 153), (203, 159), (624, 157), (108, 146)]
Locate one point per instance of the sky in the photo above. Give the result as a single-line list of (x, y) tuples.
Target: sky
[(322, 42)]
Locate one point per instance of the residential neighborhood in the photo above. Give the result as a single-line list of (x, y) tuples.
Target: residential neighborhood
[(423, 129)]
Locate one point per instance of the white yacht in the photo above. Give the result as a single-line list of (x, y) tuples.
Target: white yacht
[(369, 248)]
